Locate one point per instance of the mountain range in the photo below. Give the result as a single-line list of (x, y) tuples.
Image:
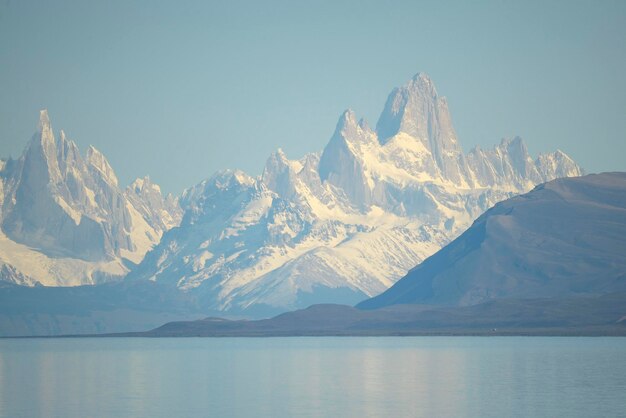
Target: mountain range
[(549, 262), (64, 219), (340, 225), (344, 224)]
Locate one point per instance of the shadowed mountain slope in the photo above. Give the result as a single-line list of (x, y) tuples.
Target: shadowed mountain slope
[(565, 238)]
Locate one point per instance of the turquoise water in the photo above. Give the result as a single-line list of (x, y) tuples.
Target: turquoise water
[(314, 377)]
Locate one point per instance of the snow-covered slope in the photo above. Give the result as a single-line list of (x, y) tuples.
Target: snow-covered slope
[(344, 224), (64, 219)]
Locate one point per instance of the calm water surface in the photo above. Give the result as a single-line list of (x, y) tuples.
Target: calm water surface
[(314, 377)]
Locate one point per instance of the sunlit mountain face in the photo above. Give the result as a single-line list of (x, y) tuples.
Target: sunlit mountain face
[(346, 223)]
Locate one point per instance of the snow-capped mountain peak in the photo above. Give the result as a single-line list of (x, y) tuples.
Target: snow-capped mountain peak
[(416, 110), (44, 128), (344, 224), (64, 219)]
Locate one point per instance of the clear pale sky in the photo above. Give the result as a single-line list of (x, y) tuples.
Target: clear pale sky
[(178, 90)]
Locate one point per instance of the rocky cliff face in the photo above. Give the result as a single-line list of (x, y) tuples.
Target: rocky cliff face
[(347, 223), (65, 220)]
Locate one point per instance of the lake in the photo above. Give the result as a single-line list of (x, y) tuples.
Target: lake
[(314, 377)]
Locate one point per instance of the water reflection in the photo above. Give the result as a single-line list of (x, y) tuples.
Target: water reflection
[(274, 377)]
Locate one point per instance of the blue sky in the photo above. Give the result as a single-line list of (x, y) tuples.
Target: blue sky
[(179, 90)]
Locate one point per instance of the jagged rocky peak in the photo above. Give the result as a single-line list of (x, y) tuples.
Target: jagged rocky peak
[(98, 161), (351, 129), (144, 186), (510, 166), (276, 164), (69, 212), (231, 178), (347, 125), (216, 199), (47, 200), (342, 161), (343, 147), (417, 110), (40, 154), (68, 152), (506, 165), (53, 156), (44, 128), (161, 211), (279, 173), (222, 180), (519, 157), (558, 164)]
